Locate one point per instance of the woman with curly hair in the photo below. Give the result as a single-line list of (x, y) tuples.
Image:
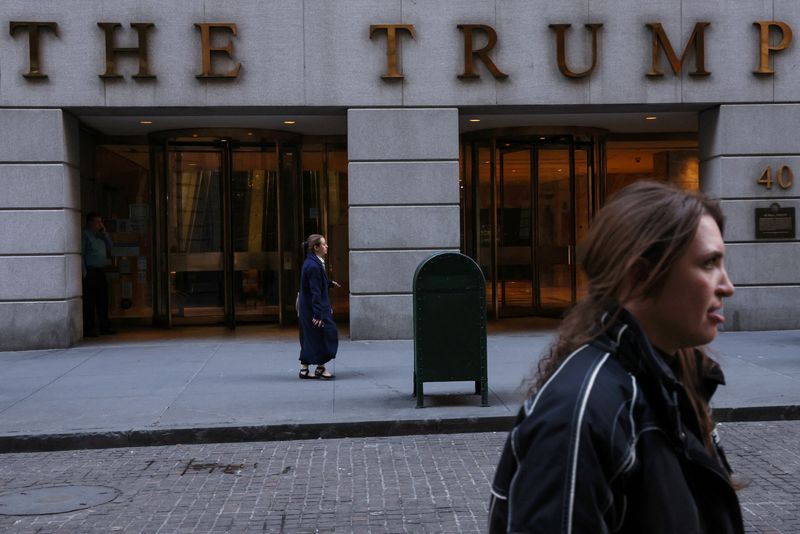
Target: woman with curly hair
[(617, 434)]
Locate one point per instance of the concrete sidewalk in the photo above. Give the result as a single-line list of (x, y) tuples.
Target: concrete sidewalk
[(207, 384)]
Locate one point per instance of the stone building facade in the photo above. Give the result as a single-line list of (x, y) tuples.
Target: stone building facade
[(402, 99)]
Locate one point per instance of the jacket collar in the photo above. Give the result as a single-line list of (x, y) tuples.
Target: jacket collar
[(623, 329), (314, 257), (625, 338)]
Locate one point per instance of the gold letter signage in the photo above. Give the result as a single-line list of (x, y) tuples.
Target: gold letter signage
[(766, 48), (205, 40), (111, 50), (561, 52), (34, 65), (774, 37), (482, 53), (697, 39), (392, 70), (785, 177)]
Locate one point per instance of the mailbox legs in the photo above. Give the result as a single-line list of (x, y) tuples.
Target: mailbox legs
[(481, 388), (418, 391)]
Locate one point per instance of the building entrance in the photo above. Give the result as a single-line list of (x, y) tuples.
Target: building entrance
[(207, 224), (527, 199), (226, 231)]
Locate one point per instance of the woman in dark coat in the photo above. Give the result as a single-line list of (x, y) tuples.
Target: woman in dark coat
[(617, 435), (318, 334)]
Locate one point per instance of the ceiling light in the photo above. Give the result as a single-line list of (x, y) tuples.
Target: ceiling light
[(145, 122), (194, 135), (474, 120), (250, 133), (542, 138), (650, 118), (288, 122)]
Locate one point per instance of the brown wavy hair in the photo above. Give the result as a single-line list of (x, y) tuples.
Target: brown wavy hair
[(646, 226)]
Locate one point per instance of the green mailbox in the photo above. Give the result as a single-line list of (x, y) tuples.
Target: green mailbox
[(450, 323)]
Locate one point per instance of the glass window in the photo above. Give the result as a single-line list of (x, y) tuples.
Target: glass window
[(254, 226), (673, 161), (312, 161), (325, 211), (338, 228), (195, 234), (121, 193)]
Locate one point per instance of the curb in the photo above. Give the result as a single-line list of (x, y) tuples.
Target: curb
[(750, 414), (234, 434), (287, 432)]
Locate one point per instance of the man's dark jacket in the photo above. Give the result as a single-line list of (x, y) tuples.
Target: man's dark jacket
[(610, 444)]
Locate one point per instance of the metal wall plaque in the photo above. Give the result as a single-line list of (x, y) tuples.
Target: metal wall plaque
[(775, 222)]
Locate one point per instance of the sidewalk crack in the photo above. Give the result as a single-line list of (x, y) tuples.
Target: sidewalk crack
[(59, 377), (185, 386)]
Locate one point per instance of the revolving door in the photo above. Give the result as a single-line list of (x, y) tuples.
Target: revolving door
[(227, 235), (527, 199)]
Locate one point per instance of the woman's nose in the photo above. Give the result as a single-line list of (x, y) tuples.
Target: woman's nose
[(726, 288)]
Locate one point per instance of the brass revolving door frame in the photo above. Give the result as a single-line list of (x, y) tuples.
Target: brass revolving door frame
[(224, 142), (493, 233)]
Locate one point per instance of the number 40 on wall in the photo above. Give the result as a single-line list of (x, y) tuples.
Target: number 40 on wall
[(784, 177)]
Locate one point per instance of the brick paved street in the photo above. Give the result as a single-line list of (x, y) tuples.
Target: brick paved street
[(435, 483)]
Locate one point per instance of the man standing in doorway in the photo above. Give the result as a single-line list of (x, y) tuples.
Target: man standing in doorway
[(95, 248)]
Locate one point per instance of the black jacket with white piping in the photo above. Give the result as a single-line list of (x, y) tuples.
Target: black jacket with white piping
[(610, 443)]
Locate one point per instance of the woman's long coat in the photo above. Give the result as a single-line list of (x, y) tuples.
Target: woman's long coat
[(319, 344)]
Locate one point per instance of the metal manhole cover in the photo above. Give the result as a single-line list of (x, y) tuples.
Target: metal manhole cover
[(55, 499)]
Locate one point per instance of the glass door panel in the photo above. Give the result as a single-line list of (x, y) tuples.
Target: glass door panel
[(338, 227), (254, 227), (121, 191), (228, 228), (485, 206), (325, 211), (583, 203), (554, 219), (514, 262), (313, 162), (195, 235), (527, 203)]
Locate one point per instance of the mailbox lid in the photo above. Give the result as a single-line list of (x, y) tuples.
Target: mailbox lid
[(449, 271)]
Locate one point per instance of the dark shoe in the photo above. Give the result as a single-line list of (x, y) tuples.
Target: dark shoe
[(107, 332), (90, 334), (321, 373), (304, 374)]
